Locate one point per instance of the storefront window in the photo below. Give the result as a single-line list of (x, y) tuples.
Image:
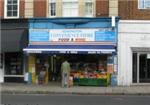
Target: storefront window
[(13, 64)]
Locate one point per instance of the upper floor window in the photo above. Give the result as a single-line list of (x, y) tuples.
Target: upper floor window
[(70, 8), (11, 8), (144, 4), (52, 7), (89, 8)]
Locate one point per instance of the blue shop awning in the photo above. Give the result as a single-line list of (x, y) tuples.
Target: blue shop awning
[(70, 49)]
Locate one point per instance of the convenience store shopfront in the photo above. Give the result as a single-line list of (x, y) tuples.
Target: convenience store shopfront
[(88, 43)]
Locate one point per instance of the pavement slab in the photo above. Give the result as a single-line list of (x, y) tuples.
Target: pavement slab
[(21, 88)]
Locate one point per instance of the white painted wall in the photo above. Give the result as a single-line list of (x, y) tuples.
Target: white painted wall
[(1, 75), (131, 34), (1, 68)]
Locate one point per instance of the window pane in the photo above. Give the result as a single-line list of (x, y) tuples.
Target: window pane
[(53, 5), (70, 9), (14, 13), (53, 9), (70, 0), (15, 7), (89, 0), (52, 1), (141, 4), (9, 7), (14, 1), (53, 13), (9, 1), (9, 13), (144, 4), (147, 4)]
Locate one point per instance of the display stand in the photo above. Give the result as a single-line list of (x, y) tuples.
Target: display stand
[(99, 81)]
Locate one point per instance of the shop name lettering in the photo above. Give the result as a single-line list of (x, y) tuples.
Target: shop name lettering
[(72, 35), (71, 39)]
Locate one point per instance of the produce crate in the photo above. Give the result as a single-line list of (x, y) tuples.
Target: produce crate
[(75, 81), (90, 82)]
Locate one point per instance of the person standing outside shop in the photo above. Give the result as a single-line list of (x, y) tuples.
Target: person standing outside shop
[(42, 76), (65, 70)]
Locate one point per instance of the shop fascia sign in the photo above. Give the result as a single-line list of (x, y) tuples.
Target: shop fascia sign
[(71, 35)]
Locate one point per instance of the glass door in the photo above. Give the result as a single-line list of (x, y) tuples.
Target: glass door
[(144, 68), (141, 68)]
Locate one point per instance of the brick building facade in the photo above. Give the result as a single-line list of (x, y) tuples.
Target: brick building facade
[(126, 9), (129, 10), (42, 8), (39, 8), (102, 8), (1, 8)]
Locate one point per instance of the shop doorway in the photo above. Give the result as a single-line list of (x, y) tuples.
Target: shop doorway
[(141, 68), (52, 65), (55, 68)]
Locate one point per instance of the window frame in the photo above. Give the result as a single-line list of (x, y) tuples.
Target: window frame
[(6, 10), (49, 6), (144, 4)]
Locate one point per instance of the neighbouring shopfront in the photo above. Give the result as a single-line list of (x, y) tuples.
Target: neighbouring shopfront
[(89, 44), (134, 53), (13, 39)]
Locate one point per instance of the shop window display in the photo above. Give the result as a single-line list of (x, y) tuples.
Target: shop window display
[(13, 64), (90, 70)]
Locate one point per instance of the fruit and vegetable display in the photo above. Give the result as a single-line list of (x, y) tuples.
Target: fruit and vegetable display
[(82, 74), (89, 74)]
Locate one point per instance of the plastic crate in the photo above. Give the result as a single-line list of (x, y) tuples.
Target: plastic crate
[(92, 82)]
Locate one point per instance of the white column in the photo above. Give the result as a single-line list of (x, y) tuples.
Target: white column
[(2, 71)]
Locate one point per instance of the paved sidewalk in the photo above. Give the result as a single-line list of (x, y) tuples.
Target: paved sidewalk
[(20, 88)]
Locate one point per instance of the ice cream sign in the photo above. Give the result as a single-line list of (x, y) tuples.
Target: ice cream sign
[(72, 35)]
